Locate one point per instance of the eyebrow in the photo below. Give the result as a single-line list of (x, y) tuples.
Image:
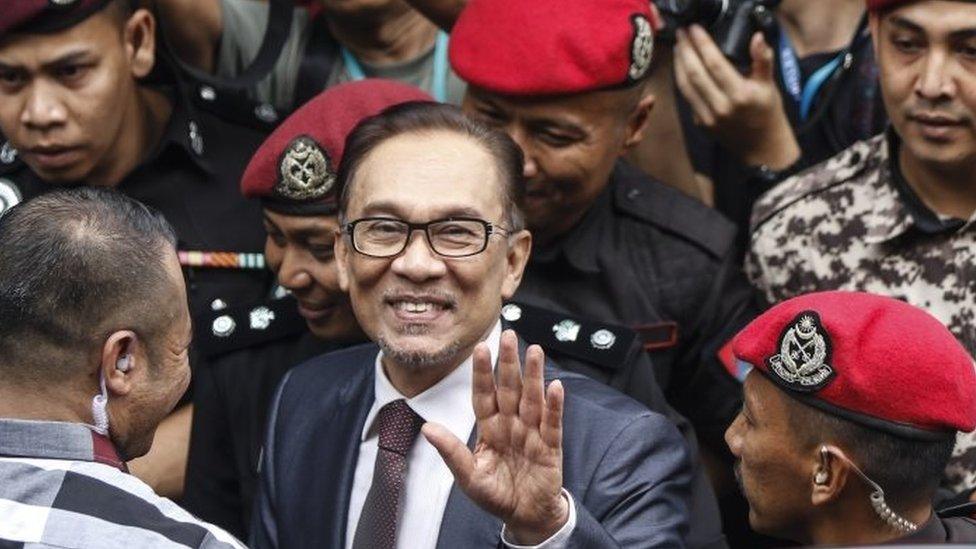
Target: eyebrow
[(392, 208), (907, 24), (75, 56)]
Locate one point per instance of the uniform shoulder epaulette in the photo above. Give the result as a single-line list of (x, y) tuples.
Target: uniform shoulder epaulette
[(10, 163), (670, 210), (842, 168), (604, 345), (235, 107), (236, 328)]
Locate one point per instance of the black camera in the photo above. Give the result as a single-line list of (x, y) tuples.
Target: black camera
[(731, 23)]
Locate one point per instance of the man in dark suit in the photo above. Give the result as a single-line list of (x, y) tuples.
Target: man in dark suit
[(343, 465)]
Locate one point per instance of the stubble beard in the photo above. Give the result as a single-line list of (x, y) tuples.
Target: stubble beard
[(417, 359)]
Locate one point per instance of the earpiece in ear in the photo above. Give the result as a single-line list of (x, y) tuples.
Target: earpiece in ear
[(124, 363), (820, 478)]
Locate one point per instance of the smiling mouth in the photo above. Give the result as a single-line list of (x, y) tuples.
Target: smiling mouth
[(420, 308)]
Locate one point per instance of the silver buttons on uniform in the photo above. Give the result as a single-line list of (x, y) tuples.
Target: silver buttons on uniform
[(218, 305), (266, 113), (8, 154), (261, 318), (223, 326), (9, 195), (196, 140), (207, 93), (567, 330), (602, 339), (511, 312)]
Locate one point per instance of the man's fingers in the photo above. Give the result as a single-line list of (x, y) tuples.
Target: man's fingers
[(552, 419), (483, 397), (455, 453), (509, 375), (723, 74), (762, 58), (692, 79), (533, 389)]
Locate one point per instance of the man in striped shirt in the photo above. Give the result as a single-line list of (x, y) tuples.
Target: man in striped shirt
[(94, 331)]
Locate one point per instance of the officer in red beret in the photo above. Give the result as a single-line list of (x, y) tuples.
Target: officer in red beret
[(86, 98), (852, 405), (250, 347)]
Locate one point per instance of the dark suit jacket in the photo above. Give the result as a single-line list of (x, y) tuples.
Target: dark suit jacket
[(627, 468)]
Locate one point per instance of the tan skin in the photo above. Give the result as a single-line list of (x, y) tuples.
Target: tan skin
[(70, 102), (138, 398), (299, 250), (570, 144), (776, 468), (515, 471), (927, 56)]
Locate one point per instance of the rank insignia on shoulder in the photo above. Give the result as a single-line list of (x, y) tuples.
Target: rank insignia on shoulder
[(598, 343), (804, 352), (232, 328)]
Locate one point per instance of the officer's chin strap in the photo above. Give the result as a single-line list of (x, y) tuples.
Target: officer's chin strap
[(887, 514), (99, 411)]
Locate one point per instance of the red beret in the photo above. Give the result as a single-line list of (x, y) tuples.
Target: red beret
[(294, 171), (549, 47), (880, 5), (873, 360), (41, 16)]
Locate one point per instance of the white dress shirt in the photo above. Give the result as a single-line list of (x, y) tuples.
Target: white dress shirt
[(429, 481)]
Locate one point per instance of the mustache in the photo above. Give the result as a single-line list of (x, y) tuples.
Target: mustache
[(439, 297), (943, 112)]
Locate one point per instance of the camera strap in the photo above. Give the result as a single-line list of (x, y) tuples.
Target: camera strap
[(439, 81), (805, 94)]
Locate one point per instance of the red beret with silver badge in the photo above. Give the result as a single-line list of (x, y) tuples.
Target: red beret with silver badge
[(870, 359), (548, 47), (44, 16), (295, 169)]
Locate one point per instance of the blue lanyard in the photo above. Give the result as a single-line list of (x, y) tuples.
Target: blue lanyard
[(804, 94), (438, 81)]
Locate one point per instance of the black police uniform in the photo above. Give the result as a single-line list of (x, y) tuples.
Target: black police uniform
[(247, 349), (647, 257), (191, 177), (940, 529), (852, 110)]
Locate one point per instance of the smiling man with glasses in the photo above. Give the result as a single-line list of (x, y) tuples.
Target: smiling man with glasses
[(553, 459)]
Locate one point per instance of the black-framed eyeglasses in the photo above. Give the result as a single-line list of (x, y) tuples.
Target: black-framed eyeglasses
[(450, 237)]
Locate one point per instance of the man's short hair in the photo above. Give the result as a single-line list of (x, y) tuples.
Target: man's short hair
[(76, 265), (908, 470), (426, 117)]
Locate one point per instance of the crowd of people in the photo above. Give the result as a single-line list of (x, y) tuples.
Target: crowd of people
[(443, 274)]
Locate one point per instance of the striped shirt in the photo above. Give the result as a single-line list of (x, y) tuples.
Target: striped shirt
[(63, 486)]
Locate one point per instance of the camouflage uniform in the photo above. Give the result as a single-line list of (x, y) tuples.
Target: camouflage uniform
[(847, 225)]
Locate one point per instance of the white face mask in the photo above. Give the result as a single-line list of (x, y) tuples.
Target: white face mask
[(99, 411)]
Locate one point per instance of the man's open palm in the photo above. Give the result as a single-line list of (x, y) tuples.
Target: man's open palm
[(516, 469)]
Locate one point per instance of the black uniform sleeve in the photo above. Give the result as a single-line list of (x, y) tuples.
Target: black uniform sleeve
[(213, 490)]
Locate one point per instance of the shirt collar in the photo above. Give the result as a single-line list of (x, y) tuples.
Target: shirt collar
[(56, 440), (887, 217), (581, 244), (448, 402), (185, 132), (925, 220)]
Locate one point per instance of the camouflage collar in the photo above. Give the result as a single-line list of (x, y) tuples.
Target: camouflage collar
[(888, 217)]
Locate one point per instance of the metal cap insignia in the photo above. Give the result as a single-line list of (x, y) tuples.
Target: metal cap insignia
[(804, 352), (306, 171), (642, 47)]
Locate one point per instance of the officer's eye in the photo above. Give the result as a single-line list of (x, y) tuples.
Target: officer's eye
[(556, 139), (967, 50), (70, 72), (12, 78), (906, 43), (322, 252)]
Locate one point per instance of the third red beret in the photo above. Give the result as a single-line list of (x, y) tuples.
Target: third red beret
[(873, 360), (294, 171), (546, 47), (42, 16)]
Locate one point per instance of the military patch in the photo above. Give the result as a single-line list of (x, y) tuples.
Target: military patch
[(9, 195), (306, 171), (642, 48), (804, 352)]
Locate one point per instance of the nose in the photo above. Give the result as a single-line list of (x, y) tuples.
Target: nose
[(530, 168), (418, 262), (292, 273), (44, 108), (733, 436), (936, 81)]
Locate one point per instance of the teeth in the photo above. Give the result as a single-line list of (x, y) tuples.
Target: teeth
[(415, 307)]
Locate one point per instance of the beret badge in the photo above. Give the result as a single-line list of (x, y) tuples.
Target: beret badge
[(804, 350), (305, 170), (641, 48)]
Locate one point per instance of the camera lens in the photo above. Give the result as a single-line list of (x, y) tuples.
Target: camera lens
[(702, 12)]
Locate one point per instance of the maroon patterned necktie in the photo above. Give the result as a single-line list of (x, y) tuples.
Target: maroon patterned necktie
[(398, 427)]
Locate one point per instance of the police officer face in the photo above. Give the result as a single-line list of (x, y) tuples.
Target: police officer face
[(773, 468), (428, 311), (299, 249), (570, 144), (68, 100), (927, 58)]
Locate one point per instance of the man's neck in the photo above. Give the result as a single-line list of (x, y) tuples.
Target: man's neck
[(819, 26), (384, 40), (857, 524), (147, 114), (946, 190), (34, 405)]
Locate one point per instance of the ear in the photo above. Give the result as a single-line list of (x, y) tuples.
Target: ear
[(122, 356), (140, 42), (637, 121), (341, 248), (517, 256), (829, 477)]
